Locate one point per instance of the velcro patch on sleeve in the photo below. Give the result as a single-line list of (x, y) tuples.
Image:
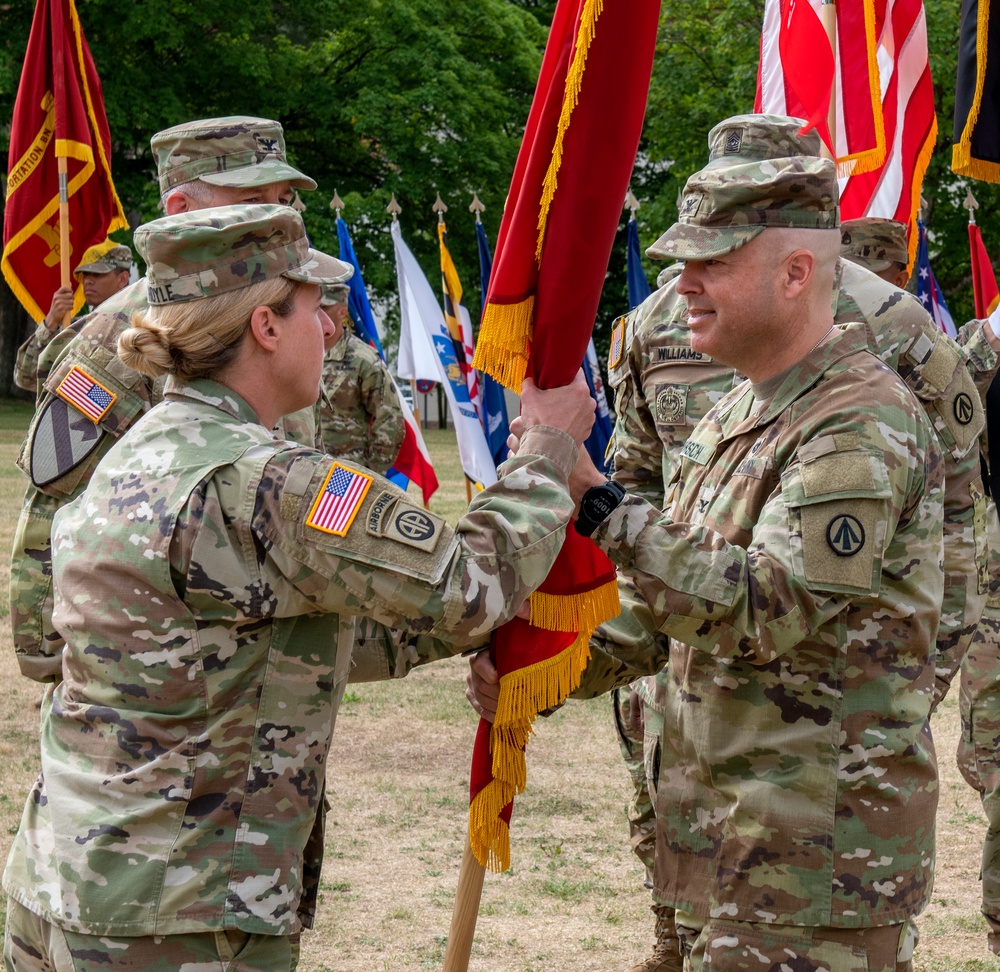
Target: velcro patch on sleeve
[(338, 501), (841, 541), (617, 342), (86, 393), (394, 519)]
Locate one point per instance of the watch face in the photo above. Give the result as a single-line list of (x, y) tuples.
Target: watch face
[(602, 506)]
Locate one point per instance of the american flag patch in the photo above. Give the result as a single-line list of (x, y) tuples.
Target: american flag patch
[(86, 394), (339, 500), (617, 342)]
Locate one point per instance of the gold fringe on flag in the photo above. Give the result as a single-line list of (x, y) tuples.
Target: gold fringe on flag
[(919, 170), (962, 161), (504, 342), (870, 159), (574, 82), (523, 693), (575, 612)]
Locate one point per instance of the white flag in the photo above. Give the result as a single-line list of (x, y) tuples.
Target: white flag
[(426, 351)]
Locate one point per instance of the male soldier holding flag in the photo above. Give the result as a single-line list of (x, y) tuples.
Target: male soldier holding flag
[(200, 164)]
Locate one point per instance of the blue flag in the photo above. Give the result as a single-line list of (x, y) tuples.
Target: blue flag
[(597, 442), (494, 403), (638, 285), (357, 301), (928, 292)]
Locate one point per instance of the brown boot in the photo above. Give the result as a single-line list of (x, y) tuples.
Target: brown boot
[(666, 955)]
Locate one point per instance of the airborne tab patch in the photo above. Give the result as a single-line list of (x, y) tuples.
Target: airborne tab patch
[(339, 500), (86, 393)]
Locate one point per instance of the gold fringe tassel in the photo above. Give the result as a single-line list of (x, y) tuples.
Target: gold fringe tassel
[(919, 170), (504, 342), (870, 160), (575, 612), (574, 82), (522, 695)]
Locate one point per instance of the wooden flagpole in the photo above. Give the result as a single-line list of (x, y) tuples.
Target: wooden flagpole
[(62, 163), (465, 911)]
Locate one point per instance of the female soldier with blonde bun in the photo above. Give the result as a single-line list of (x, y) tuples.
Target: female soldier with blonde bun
[(211, 584)]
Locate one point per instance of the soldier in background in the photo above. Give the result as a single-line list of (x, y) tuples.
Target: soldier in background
[(878, 245), (103, 271), (358, 416), (211, 585), (87, 398), (797, 574)]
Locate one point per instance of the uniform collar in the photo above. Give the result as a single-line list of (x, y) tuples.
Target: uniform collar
[(210, 392)]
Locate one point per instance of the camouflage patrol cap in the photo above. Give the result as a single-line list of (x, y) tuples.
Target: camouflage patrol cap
[(724, 207), (334, 294), (875, 244), (104, 258), (751, 138), (232, 151), (213, 251)]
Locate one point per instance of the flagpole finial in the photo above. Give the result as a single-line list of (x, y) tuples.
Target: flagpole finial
[(394, 208), (971, 205), (631, 202), (336, 204), (297, 204), (440, 208), (476, 206)]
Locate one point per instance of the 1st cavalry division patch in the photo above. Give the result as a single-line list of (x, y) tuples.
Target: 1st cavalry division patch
[(339, 500)]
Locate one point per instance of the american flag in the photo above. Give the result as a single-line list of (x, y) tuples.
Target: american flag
[(928, 291), (339, 500), (88, 395), (617, 342)]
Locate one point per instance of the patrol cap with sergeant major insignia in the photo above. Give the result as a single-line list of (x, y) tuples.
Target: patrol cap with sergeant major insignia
[(232, 151), (213, 251), (751, 138), (726, 206), (875, 244)]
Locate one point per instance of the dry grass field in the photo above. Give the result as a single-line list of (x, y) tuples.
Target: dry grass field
[(573, 898)]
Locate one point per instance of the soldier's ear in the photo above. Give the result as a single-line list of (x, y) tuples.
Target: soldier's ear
[(265, 327), (797, 272)]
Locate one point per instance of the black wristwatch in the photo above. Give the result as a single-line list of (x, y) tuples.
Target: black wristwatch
[(597, 505)]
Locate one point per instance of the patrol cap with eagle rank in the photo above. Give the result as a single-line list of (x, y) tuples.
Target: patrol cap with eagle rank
[(213, 251), (233, 151), (724, 207), (875, 244)]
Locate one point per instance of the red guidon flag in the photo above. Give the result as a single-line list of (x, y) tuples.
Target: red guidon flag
[(552, 254), (984, 281), (59, 112)]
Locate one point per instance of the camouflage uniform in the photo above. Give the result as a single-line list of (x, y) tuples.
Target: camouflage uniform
[(63, 445), (762, 478), (360, 419), (663, 389), (106, 257), (212, 585), (979, 696)]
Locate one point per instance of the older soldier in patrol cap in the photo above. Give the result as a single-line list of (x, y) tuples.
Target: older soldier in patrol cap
[(87, 397), (211, 584), (103, 271), (797, 574), (664, 387), (878, 245), (358, 415)]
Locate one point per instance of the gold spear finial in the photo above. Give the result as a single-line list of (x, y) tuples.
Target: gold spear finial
[(632, 203), (971, 205), (394, 208), (476, 206), (336, 204), (297, 204), (440, 208)]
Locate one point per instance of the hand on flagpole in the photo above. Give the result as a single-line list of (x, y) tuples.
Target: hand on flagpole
[(567, 407), (62, 304)]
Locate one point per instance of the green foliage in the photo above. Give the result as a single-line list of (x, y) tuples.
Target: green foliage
[(414, 96)]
